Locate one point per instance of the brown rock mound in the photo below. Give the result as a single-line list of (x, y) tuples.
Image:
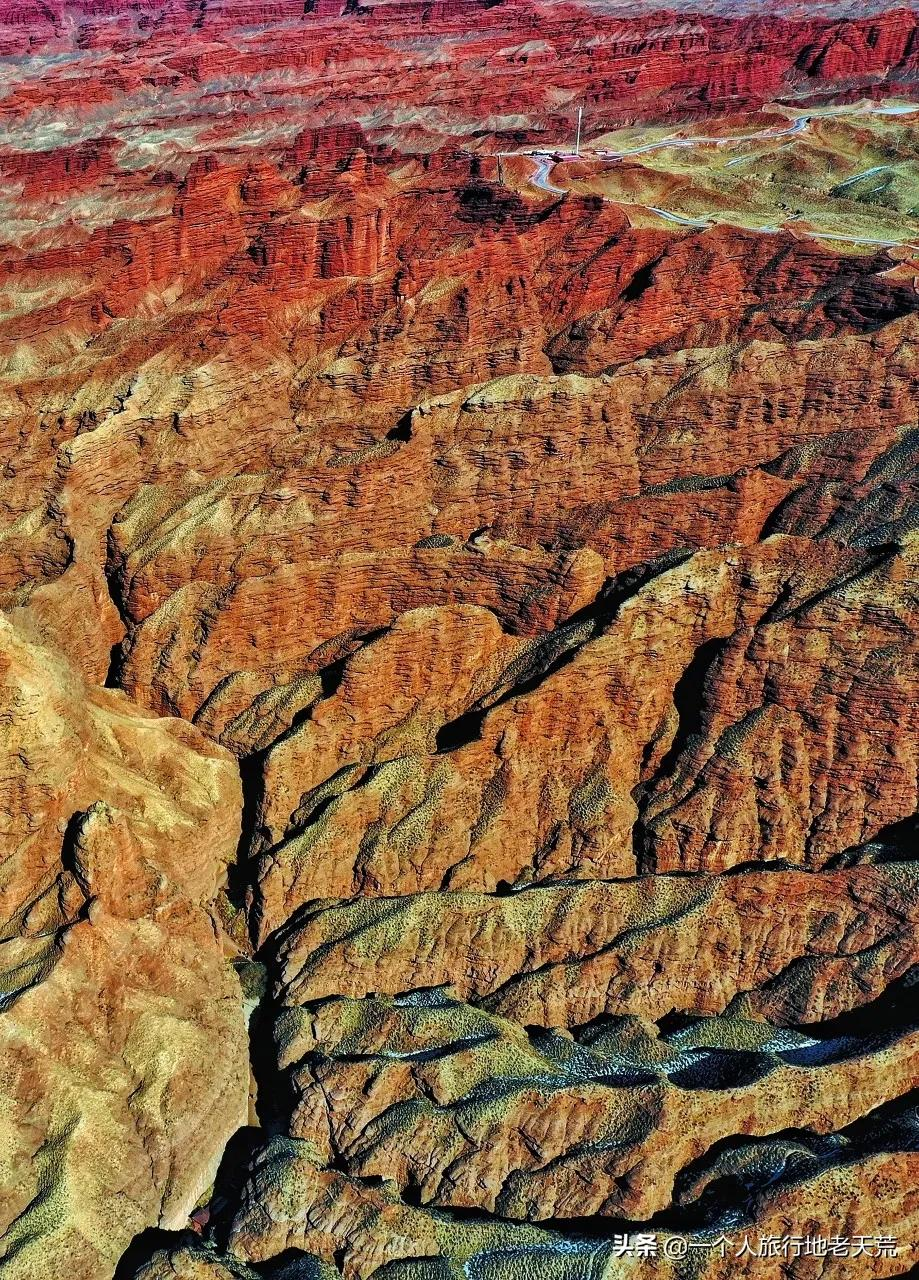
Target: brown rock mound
[(123, 1057)]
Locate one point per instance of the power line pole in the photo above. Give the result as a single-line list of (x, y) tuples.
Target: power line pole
[(577, 141)]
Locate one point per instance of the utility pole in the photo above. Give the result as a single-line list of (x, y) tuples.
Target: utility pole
[(577, 141)]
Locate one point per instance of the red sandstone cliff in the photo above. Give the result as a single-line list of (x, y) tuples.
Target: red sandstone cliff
[(467, 628)]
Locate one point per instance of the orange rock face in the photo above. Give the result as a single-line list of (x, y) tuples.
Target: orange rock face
[(462, 628), (124, 1057)]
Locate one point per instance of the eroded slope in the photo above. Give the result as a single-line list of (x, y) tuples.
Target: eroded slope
[(460, 617)]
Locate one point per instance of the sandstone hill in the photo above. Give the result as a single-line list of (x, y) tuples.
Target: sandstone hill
[(458, 641)]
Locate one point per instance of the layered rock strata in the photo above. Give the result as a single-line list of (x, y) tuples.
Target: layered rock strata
[(458, 669)]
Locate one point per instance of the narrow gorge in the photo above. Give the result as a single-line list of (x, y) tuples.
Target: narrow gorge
[(458, 801)]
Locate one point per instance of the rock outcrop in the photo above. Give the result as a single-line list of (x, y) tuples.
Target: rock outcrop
[(459, 769), (123, 1055)]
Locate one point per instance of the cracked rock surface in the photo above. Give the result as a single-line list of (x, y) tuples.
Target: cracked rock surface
[(458, 649)]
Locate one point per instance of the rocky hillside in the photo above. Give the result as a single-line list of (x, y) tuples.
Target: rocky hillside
[(458, 641)]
